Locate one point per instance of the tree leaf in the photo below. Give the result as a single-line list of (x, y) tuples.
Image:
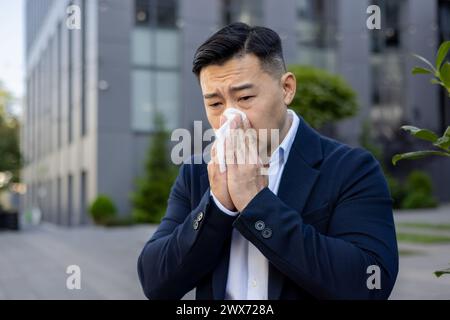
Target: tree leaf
[(445, 74), (417, 155), (441, 272), (447, 132), (442, 53), (419, 70), (435, 81), (423, 134), (426, 61), (443, 143)]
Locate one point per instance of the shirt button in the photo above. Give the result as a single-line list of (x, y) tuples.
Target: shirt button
[(195, 225), (200, 216), (266, 233), (260, 225), (254, 283)]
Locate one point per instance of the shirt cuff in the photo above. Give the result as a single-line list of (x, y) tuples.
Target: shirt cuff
[(222, 207)]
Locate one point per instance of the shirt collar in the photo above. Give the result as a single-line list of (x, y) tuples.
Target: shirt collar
[(281, 153)]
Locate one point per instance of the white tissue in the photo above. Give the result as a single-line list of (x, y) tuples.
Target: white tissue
[(221, 133)]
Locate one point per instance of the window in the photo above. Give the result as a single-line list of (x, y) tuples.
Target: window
[(142, 12), (142, 100), (69, 199), (247, 11), (316, 33), (83, 69), (161, 13), (166, 13), (155, 59), (70, 85), (58, 201), (59, 85), (167, 96), (83, 197), (387, 67), (141, 44), (167, 48), (154, 91)]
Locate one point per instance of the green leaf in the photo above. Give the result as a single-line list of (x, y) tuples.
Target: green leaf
[(423, 134), (445, 74), (442, 53), (443, 142), (419, 70), (426, 61), (417, 155), (441, 272), (447, 132), (435, 81)]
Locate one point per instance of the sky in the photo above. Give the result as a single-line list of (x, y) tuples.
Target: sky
[(12, 46)]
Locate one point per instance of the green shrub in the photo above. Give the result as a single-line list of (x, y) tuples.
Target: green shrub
[(102, 209), (397, 190), (118, 221), (418, 199), (419, 181), (322, 97), (419, 191), (150, 198)]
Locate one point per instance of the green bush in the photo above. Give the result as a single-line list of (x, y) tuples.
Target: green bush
[(322, 97), (416, 192), (418, 199), (118, 221), (102, 209), (150, 199), (419, 181), (397, 190), (419, 191)]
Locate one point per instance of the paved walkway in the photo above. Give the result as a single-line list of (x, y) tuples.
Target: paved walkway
[(416, 279), (33, 262)]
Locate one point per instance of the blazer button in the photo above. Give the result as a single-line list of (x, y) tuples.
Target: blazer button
[(195, 225), (260, 225), (200, 216), (266, 233)]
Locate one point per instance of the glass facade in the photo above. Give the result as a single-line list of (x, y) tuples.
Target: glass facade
[(247, 11), (388, 66), (316, 33), (155, 48)]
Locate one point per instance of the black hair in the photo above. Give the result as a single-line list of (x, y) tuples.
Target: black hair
[(238, 39)]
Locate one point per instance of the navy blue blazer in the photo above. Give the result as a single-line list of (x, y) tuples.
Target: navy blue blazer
[(331, 220)]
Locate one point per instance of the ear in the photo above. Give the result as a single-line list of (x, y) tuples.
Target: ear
[(289, 85)]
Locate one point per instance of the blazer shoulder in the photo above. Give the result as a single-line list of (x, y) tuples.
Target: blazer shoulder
[(335, 152)]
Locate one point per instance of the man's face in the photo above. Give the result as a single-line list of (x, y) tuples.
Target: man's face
[(241, 83)]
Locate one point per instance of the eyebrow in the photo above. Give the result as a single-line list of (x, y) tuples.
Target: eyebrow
[(232, 89)]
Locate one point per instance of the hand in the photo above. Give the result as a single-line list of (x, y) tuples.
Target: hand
[(244, 166), (218, 180)]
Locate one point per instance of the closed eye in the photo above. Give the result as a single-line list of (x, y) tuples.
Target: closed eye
[(215, 105), (246, 98)]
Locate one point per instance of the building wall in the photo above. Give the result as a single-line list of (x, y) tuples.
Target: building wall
[(54, 165)]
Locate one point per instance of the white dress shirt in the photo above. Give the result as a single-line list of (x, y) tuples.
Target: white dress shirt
[(248, 270)]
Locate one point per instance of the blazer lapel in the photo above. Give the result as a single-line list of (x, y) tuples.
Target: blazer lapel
[(299, 176)]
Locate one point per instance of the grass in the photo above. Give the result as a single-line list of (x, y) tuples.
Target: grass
[(422, 238), (425, 225), (407, 252)]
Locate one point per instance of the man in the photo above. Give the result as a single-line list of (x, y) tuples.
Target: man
[(319, 225)]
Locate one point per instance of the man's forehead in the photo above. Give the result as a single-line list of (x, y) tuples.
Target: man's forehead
[(237, 70)]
